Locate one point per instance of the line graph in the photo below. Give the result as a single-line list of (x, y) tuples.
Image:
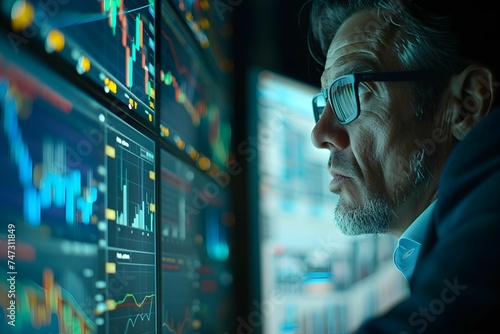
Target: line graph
[(131, 323), (183, 325), (182, 80), (144, 311), (196, 117), (72, 19), (145, 300), (133, 311)]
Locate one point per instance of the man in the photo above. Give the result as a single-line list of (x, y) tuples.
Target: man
[(409, 114)]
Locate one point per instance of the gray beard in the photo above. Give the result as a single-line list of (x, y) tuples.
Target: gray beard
[(374, 215)]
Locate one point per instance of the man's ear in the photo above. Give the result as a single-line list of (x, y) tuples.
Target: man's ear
[(474, 91)]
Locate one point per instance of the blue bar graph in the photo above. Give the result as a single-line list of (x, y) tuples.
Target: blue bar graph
[(60, 190)]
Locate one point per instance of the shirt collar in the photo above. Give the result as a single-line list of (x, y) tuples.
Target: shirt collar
[(408, 248)]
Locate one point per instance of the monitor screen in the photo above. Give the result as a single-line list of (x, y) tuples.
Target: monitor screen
[(78, 202), (210, 23), (114, 215), (195, 114), (112, 43), (195, 250), (131, 217)]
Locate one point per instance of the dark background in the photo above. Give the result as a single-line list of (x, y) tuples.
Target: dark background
[(272, 35)]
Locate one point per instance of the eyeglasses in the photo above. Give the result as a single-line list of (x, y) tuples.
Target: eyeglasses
[(343, 92)]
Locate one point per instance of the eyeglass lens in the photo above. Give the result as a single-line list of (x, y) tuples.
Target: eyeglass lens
[(343, 98)]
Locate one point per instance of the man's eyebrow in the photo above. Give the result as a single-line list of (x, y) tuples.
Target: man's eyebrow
[(357, 68), (346, 68)]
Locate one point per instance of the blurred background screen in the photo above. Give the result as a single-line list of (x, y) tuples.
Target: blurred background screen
[(312, 278)]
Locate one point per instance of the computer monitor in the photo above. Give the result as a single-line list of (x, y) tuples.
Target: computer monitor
[(211, 25), (78, 199), (97, 205), (195, 101), (196, 251)]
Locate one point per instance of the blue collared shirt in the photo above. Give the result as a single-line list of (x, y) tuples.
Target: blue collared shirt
[(406, 253)]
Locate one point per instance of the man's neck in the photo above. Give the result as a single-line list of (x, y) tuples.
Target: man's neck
[(413, 207)]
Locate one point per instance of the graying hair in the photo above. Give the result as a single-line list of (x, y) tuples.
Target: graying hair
[(423, 42)]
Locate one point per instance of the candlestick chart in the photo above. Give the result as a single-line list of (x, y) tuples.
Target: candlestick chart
[(110, 42)]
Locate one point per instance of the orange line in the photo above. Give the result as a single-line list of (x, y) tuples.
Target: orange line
[(180, 69), (123, 20)]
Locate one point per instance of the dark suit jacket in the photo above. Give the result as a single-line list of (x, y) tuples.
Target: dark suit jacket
[(456, 284)]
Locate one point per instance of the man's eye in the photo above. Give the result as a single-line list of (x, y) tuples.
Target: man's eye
[(364, 93)]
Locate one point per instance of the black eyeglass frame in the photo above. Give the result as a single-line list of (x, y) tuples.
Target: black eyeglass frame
[(356, 78)]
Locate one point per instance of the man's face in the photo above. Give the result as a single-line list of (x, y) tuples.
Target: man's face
[(375, 162)]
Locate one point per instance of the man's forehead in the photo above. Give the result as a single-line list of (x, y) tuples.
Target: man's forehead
[(361, 27), (363, 30)]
